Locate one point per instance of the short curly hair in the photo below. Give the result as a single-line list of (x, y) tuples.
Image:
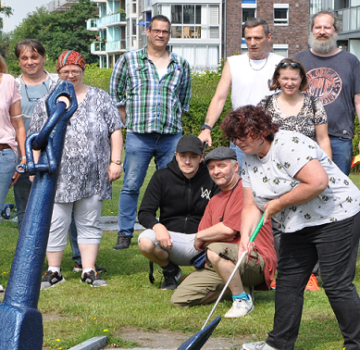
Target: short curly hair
[(249, 121)]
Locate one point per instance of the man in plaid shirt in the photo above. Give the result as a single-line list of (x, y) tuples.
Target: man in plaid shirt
[(151, 88)]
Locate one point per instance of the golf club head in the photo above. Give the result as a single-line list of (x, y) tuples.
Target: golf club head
[(197, 341)]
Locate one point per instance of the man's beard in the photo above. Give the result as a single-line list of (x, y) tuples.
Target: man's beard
[(322, 46)]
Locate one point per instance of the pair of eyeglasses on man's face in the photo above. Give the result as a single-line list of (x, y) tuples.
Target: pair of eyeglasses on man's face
[(287, 64), (158, 32), (75, 73), (34, 99)]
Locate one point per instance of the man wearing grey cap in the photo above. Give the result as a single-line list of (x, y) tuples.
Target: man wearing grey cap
[(219, 235), (181, 191)]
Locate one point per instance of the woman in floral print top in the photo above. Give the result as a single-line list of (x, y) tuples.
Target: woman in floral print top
[(90, 161), (288, 175)]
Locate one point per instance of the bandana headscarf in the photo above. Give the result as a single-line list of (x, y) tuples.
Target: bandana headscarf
[(70, 57)]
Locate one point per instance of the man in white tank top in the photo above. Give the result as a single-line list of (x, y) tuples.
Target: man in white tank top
[(247, 74)]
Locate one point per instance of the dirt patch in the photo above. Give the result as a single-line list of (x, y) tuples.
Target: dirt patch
[(165, 339)]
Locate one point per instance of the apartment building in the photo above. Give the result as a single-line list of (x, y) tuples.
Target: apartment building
[(348, 12), (205, 31)]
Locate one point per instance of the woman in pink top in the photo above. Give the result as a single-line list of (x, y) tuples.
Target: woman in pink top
[(12, 132)]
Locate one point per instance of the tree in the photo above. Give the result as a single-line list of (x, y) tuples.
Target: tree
[(4, 10), (60, 31)]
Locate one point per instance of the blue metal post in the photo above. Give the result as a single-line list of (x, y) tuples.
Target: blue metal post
[(21, 325)]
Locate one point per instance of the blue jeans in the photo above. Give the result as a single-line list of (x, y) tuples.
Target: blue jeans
[(239, 154), (21, 193), (7, 168), (76, 256), (342, 153), (335, 245), (139, 150)]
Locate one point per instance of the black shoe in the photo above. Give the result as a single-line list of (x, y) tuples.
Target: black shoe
[(123, 242), (51, 279), (171, 279), (99, 269), (93, 279)]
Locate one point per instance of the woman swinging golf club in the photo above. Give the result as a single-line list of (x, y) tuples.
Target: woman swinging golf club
[(290, 178)]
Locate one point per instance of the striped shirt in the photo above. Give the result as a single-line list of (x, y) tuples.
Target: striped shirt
[(152, 105)]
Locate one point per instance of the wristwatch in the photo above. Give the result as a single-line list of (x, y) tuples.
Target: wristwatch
[(117, 162), (205, 126)]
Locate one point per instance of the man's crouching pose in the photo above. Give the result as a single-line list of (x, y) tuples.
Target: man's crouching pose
[(219, 234)]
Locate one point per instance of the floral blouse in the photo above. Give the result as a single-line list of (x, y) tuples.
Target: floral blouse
[(304, 122), (86, 156), (274, 175)]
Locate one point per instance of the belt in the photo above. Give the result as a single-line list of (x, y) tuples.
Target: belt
[(4, 146)]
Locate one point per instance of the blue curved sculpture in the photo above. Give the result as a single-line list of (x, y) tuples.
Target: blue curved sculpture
[(21, 325)]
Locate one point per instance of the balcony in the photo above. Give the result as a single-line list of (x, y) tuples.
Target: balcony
[(349, 19), (97, 48), (92, 24), (115, 46), (60, 5), (112, 20), (100, 1)]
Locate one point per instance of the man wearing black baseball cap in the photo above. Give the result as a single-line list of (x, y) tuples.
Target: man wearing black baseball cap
[(219, 236), (181, 191)]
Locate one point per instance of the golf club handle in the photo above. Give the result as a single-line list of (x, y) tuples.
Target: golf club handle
[(252, 238)]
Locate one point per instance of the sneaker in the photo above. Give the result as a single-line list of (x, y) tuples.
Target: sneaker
[(78, 268), (1, 288), (312, 284), (171, 279), (51, 279), (240, 308), (93, 279), (273, 284), (261, 345), (123, 242)]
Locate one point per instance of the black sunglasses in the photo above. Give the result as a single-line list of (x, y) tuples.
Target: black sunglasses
[(287, 64)]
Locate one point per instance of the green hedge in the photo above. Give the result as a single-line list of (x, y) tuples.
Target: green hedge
[(203, 90)]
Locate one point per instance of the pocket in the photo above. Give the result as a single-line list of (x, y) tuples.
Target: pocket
[(8, 156)]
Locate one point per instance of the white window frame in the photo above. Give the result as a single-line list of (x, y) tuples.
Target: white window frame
[(281, 21), (281, 47)]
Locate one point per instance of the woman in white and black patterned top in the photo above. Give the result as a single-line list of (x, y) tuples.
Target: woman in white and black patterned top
[(293, 110), (91, 160)]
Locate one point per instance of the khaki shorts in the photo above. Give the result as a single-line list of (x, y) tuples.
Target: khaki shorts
[(205, 285)]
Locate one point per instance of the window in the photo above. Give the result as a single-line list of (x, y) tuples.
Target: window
[(281, 49), (248, 11), (192, 21), (281, 14)]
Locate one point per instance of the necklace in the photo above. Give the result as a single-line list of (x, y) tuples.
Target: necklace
[(260, 67)]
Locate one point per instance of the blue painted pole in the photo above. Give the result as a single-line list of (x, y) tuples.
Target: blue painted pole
[(21, 325)]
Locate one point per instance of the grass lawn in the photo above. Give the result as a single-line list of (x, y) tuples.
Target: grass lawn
[(74, 312)]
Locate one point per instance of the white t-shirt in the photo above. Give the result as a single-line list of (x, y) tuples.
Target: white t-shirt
[(272, 176), (250, 83)]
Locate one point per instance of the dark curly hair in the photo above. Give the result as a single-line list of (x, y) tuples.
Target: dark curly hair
[(249, 121)]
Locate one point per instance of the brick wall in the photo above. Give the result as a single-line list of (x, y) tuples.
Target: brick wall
[(295, 34)]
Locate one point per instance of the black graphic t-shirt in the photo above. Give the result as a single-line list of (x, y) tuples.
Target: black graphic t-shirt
[(334, 80)]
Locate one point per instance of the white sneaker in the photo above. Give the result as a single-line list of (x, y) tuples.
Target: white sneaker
[(261, 345), (240, 308), (1, 288)]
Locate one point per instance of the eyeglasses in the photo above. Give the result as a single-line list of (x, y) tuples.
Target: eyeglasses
[(287, 64), (34, 99), (158, 32), (75, 73)]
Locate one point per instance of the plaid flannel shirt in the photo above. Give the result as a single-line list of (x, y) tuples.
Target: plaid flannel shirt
[(151, 105)]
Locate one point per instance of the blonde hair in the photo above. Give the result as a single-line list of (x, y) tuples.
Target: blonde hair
[(3, 66)]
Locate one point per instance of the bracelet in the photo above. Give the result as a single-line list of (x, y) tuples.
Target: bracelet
[(23, 157), (205, 126)]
